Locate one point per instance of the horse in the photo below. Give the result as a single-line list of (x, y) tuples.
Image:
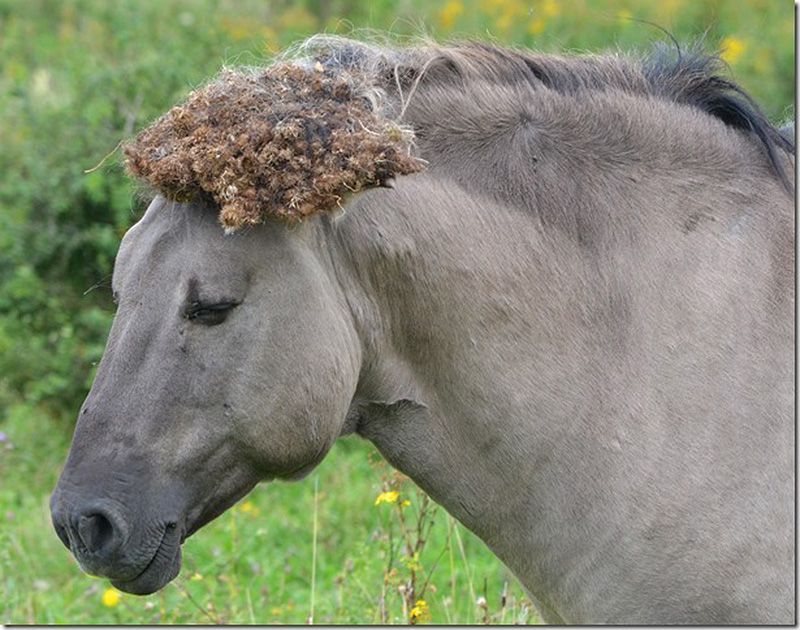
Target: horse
[(573, 329)]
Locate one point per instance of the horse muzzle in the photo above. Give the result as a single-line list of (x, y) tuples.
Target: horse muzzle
[(139, 555)]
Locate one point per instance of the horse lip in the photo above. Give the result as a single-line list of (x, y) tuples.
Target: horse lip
[(159, 571)]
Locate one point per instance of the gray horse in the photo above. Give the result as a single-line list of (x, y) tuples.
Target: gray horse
[(574, 330)]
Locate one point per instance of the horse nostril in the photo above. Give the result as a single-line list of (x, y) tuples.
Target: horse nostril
[(61, 531), (96, 531)]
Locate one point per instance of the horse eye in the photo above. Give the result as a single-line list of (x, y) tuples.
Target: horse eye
[(209, 314)]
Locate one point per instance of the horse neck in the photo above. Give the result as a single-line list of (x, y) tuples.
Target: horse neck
[(442, 288)]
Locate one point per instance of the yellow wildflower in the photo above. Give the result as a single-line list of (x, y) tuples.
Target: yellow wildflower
[(505, 21), (420, 612), (270, 38), (405, 503), (297, 17), (237, 29), (536, 26), (412, 563), (450, 12), (492, 6), (111, 597), (668, 9), (550, 8), (387, 497), (248, 508), (732, 49)]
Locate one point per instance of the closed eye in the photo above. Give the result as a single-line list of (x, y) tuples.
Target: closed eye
[(209, 314)]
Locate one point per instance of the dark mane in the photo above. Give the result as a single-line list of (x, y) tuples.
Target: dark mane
[(335, 116), (695, 79), (691, 77)]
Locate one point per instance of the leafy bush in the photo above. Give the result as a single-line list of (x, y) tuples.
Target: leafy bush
[(81, 75)]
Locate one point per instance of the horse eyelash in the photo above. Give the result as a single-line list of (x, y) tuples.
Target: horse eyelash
[(197, 309)]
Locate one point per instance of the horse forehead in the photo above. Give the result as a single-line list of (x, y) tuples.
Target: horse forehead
[(180, 236)]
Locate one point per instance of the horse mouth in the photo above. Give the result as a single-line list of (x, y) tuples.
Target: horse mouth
[(163, 567)]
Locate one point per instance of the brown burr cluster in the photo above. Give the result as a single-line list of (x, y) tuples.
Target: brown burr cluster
[(285, 142)]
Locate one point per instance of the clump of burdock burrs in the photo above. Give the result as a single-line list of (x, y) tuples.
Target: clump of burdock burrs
[(282, 142)]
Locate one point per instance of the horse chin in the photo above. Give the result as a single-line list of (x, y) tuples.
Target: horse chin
[(304, 470), (162, 569), (300, 473)]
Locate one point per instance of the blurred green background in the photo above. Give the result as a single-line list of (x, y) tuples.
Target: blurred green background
[(78, 76)]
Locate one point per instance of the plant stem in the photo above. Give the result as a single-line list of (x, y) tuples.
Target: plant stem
[(314, 551)]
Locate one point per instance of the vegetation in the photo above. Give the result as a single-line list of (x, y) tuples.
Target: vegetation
[(79, 76)]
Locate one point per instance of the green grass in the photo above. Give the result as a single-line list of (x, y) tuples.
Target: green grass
[(76, 76), (255, 563)]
